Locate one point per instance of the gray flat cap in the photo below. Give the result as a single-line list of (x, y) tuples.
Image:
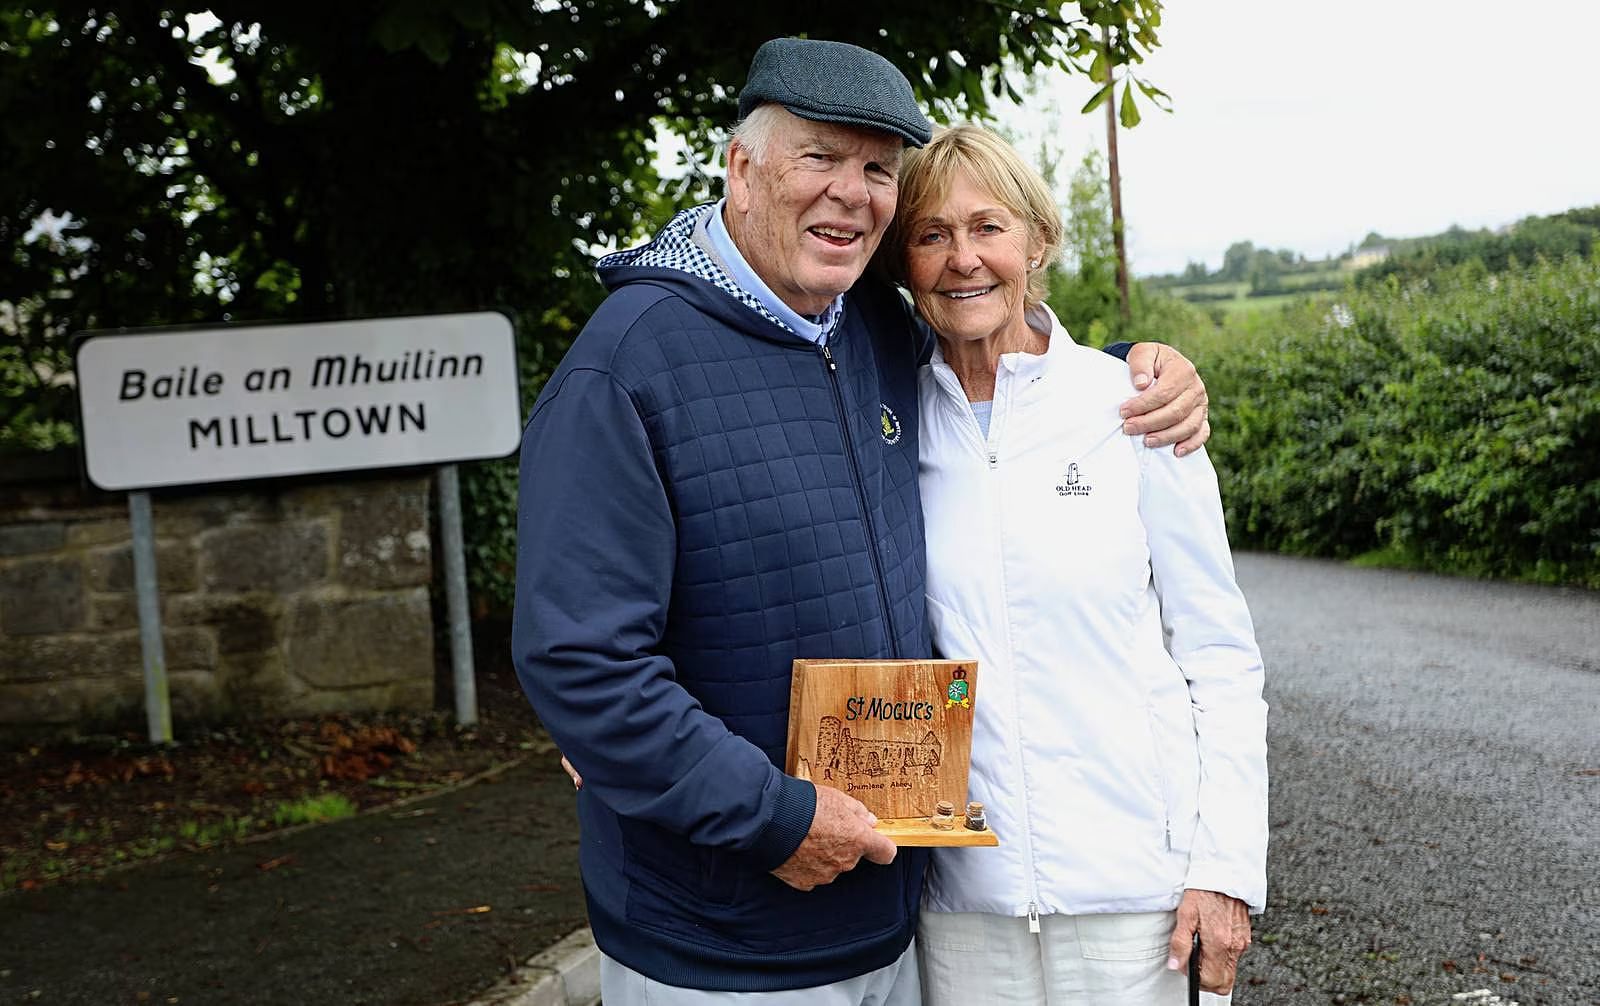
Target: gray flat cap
[(834, 82)]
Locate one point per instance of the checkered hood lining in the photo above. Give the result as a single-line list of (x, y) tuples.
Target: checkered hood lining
[(674, 247)]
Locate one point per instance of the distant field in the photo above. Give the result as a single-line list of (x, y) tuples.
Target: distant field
[(1321, 278), (1251, 305), (1234, 289), (1234, 296)]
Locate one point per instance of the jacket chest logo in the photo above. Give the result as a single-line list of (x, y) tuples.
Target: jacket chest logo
[(889, 424), (1071, 482)]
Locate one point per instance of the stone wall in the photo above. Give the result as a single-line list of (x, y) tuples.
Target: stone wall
[(277, 601)]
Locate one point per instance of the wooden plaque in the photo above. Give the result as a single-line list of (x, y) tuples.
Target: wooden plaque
[(894, 734)]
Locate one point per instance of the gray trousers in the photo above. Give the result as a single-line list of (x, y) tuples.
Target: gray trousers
[(895, 985)]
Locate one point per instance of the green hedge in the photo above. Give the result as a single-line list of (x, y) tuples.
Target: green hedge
[(1451, 423)]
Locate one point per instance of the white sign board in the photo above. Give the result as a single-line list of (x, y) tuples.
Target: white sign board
[(216, 405)]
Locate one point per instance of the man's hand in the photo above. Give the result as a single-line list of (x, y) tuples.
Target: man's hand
[(1224, 927), (841, 834), (1173, 407)]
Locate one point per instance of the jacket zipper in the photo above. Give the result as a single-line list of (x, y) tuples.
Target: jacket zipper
[(991, 455), (861, 499), (1016, 689), (998, 419)]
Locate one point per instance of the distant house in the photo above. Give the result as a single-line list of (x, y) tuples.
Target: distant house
[(1363, 257)]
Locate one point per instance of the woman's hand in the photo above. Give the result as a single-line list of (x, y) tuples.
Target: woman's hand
[(1224, 927), (1173, 408), (577, 780)]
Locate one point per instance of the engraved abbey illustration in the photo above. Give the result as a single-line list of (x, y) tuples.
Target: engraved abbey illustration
[(843, 757)]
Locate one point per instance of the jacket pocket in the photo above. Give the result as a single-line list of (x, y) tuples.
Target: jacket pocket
[(1161, 774), (1178, 779), (722, 875), (674, 869)]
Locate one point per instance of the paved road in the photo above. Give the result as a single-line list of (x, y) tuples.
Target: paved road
[(1435, 751)]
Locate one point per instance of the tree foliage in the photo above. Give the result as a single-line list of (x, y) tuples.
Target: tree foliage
[(297, 161), (1083, 285), (1573, 233), (1262, 269)]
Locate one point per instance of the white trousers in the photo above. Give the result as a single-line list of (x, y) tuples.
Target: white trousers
[(1074, 960), (894, 985)]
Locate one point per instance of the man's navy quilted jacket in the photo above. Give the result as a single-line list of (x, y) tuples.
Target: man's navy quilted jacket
[(705, 497)]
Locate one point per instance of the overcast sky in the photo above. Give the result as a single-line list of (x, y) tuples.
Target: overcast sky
[(1305, 125)]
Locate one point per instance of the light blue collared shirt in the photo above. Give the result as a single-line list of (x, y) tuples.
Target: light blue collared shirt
[(816, 330)]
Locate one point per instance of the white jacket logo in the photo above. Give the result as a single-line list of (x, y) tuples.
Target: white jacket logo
[(1072, 483)]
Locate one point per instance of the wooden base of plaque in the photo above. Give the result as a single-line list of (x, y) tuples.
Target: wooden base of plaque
[(916, 831), (894, 734)]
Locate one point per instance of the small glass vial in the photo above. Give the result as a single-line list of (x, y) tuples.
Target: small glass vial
[(944, 816), (975, 821)]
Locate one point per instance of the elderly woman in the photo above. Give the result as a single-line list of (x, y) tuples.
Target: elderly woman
[(1119, 747)]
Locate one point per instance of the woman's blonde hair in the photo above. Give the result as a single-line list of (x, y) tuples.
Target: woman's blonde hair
[(926, 176)]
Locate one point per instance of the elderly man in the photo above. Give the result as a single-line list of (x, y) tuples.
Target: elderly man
[(720, 477)]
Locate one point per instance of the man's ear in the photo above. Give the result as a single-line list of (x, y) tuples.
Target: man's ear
[(740, 166)]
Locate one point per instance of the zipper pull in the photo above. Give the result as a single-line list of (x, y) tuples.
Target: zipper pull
[(827, 354), (994, 459), (1033, 917)]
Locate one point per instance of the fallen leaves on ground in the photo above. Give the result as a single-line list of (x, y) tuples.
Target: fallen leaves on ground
[(80, 808)]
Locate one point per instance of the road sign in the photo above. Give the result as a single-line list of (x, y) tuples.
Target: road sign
[(181, 407)]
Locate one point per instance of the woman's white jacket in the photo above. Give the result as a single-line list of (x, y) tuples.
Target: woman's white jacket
[(1119, 745)]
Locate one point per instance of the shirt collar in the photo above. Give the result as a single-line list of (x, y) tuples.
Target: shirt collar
[(1042, 320), (816, 331)]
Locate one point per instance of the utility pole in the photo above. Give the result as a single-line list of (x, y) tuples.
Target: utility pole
[(1116, 176)]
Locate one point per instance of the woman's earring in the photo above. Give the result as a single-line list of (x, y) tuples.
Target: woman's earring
[(1034, 264)]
